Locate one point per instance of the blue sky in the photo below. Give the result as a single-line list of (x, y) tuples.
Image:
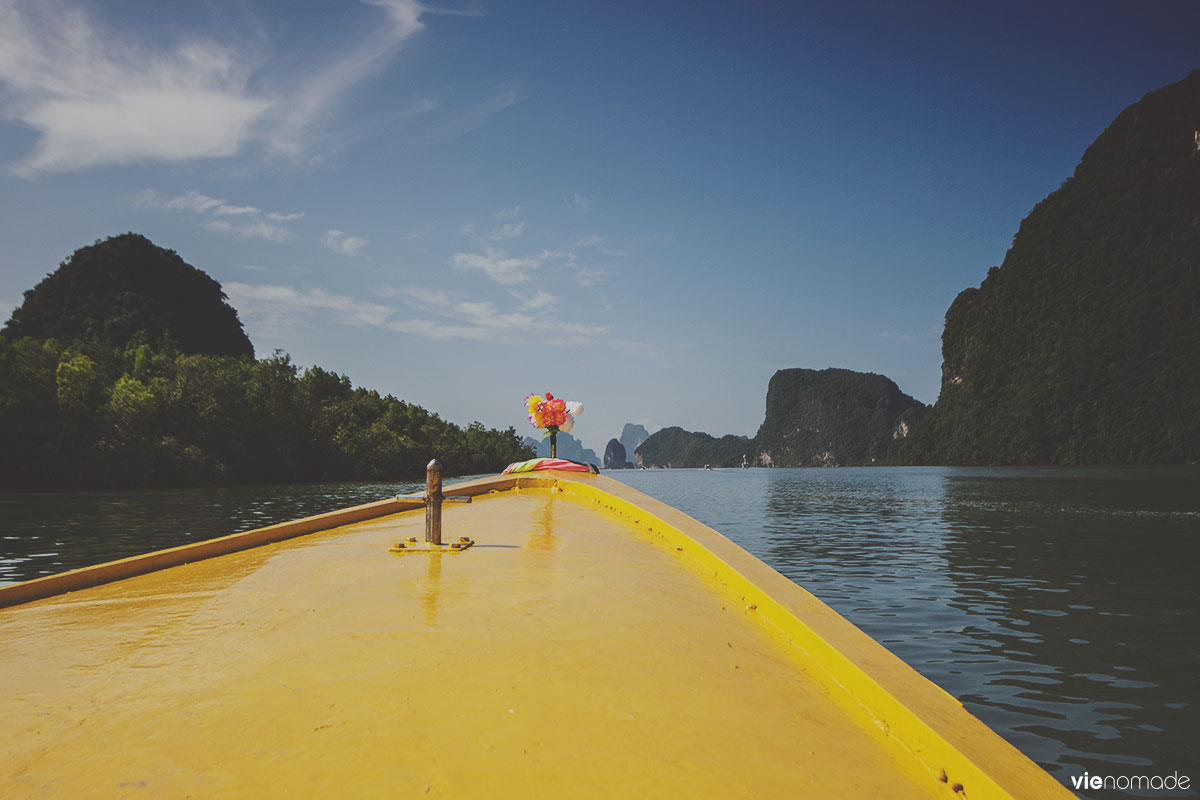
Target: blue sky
[(649, 207)]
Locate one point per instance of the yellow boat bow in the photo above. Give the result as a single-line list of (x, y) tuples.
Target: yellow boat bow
[(593, 642)]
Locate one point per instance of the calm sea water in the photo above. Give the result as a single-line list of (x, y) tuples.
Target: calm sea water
[(1060, 606)]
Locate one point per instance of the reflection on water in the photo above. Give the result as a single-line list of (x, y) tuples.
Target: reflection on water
[(41, 534), (1059, 605)]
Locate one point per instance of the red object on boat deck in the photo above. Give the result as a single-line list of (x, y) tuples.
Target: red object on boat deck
[(536, 464)]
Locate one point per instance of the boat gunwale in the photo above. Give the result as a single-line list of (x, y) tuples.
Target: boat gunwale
[(132, 566)]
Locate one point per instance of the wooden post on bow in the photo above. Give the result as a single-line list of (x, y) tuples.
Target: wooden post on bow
[(433, 502)]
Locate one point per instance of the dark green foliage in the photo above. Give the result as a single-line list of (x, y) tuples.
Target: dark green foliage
[(675, 447), (127, 368), (90, 415), (124, 287), (831, 417), (1083, 347)]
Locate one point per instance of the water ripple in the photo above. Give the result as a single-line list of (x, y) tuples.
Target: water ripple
[(1059, 605)]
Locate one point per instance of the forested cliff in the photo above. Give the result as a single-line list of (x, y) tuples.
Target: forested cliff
[(834, 417), (124, 287), (1083, 347)]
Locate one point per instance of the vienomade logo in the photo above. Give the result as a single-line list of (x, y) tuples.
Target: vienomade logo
[(1132, 782)]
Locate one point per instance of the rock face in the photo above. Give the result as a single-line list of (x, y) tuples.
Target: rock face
[(126, 285), (632, 437), (614, 455), (568, 447), (831, 417), (1083, 346)]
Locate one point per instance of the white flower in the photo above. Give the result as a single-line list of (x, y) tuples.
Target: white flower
[(566, 426), (574, 408)]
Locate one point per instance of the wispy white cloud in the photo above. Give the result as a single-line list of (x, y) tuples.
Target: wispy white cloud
[(472, 11), (343, 243), (475, 117), (227, 210), (590, 276), (509, 230), (431, 298), (497, 266), (196, 202), (275, 216), (590, 240), (570, 264), (485, 316), (579, 202), (277, 310), (514, 270), (321, 91), (431, 329), (268, 231), (270, 226), (414, 234), (541, 299), (99, 96), (508, 227)]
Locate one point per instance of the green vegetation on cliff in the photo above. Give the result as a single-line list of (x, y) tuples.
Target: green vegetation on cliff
[(831, 417), (834, 417), (123, 287), (675, 447), (86, 411), (1083, 347)]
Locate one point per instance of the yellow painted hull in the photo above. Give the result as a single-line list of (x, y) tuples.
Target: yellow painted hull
[(592, 643)]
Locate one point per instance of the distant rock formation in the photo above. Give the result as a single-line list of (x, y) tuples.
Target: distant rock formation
[(831, 417), (568, 447), (614, 456), (632, 437), (834, 418)]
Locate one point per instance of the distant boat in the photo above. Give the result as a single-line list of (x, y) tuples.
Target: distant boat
[(575, 638), (745, 464)]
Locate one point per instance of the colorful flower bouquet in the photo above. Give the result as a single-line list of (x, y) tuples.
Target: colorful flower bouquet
[(554, 415)]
